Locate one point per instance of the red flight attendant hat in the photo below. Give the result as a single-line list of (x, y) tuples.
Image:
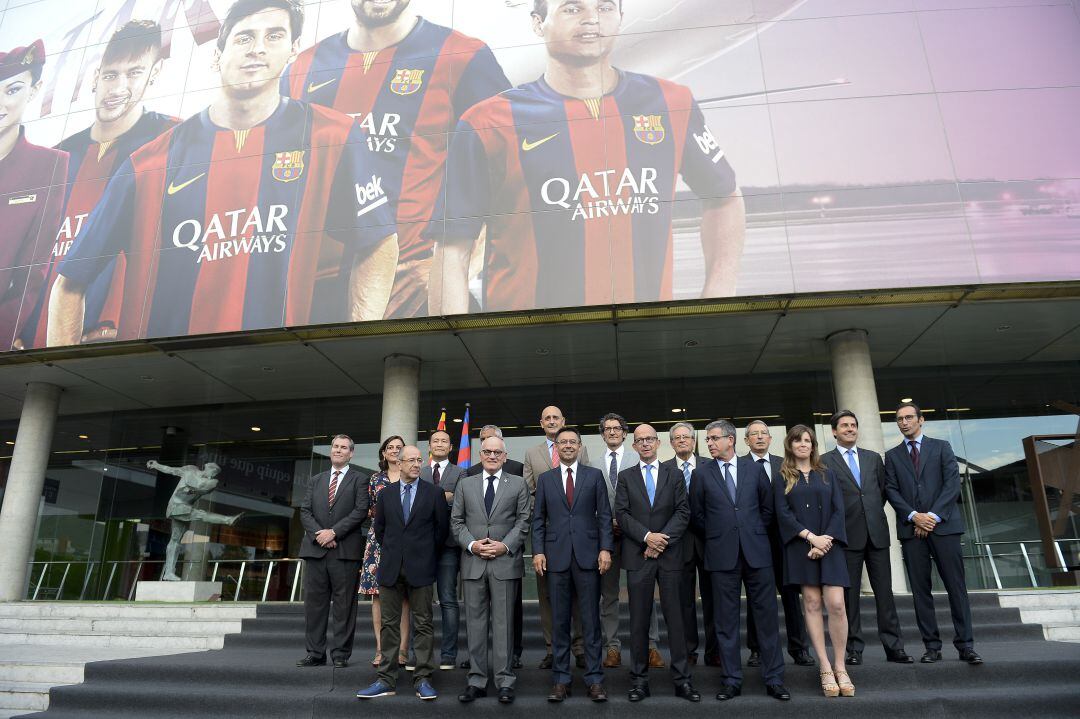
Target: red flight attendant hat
[(22, 59)]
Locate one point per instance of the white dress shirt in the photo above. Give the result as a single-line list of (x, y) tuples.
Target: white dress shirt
[(483, 491)]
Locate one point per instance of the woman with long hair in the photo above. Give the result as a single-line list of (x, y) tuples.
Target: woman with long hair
[(389, 473), (810, 511)]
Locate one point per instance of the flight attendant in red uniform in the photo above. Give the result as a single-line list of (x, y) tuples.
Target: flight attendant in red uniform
[(31, 188)]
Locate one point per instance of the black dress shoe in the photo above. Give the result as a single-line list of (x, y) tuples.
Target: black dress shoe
[(778, 691), (546, 663), (686, 691), (970, 656), (516, 664), (341, 663), (754, 660), (728, 691), (803, 658), (470, 694), (465, 664), (579, 659), (899, 657), (559, 692), (854, 658), (931, 656), (506, 695), (639, 692), (310, 661)]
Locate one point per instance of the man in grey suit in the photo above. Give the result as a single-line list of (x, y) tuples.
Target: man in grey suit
[(490, 521), (862, 480), (335, 506), (539, 459), (444, 474)]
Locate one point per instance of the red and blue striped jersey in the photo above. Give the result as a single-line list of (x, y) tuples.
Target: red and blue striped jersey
[(91, 165), (408, 98), (578, 195), (223, 229)]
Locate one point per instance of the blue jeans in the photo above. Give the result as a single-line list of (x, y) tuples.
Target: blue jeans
[(449, 561)]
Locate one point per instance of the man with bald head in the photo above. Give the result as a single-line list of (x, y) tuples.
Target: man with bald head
[(540, 459)]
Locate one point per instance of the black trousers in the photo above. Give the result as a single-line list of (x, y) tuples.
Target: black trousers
[(694, 573), (330, 583), (944, 551), (879, 569), (641, 586)]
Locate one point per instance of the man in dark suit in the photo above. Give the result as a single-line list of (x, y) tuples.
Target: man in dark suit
[(572, 543), (922, 482), (335, 506), (411, 523), (516, 468), (654, 514), (684, 441), (862, 480), (731, 505), (758, 439), (444, 474)]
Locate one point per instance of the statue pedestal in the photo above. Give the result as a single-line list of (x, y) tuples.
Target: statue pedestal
[(178, 591)]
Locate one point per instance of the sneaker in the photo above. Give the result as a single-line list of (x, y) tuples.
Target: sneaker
[(378, 689), (425, 691), (447, 663)]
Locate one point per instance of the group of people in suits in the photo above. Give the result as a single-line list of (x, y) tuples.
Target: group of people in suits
[(804, 523)]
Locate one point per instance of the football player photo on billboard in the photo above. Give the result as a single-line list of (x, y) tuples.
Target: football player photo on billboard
[(223, 217), (572, 178), (407, 81), (30, 205), (130, 64)]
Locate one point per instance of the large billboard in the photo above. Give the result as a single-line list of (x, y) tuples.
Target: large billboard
[(181, 167)]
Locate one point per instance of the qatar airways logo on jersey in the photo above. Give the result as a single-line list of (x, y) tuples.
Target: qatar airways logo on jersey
[(381, 129), (235, 233), (69, 230), (605, 193)]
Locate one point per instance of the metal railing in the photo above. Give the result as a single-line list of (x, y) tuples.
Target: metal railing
[(995, 552)]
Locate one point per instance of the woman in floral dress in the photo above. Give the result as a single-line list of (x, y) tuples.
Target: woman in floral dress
[(388, 474)]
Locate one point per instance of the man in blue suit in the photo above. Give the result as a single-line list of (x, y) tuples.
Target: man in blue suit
[(731, 505), (572, 544), (922, 482)]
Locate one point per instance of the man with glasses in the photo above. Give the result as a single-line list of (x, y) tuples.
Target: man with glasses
[(731, 505), (572, 543), (653, 510), (758, 440), (615, 459), (684, 441), (490, 521), (444, 474), (922, 482)]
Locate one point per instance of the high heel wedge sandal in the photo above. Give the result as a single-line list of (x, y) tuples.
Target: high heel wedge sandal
[(847, 689), (829, 686)]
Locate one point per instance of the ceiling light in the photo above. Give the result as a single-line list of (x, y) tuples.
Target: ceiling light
[(906, 399), (457, 419), (256, 429), (83, 436), (12, 444), (676, 410)]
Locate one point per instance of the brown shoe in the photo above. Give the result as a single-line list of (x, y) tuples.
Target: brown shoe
[(655, 660), (597, 693), (613, 658), (559, 692)]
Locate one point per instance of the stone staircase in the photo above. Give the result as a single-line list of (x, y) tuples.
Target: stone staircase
[(1057, 610), (48, 644)]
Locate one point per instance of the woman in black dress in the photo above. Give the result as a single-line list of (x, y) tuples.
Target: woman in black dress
[(810, 511)]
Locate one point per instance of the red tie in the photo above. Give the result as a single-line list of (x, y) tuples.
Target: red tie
[(333, 487), (915, 455), (570, 486), (435, 474), (554, 456)]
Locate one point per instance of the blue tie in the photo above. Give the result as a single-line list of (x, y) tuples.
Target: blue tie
[(650, 485), (729, 480), (406, 503), (686, 473), (854, 467)]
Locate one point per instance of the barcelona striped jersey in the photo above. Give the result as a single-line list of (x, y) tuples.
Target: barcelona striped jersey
[(223, 228)]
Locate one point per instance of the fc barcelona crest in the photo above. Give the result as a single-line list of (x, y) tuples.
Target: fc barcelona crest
[(406, 82), (288, 166), (649, 129)]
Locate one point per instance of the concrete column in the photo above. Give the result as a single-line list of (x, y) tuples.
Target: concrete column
[(855, 390), (401, 397), (22, 497)]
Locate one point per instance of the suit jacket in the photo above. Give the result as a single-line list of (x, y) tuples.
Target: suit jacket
[(508, 523), (668, 514), (447, 482), (411, 547), (562, 532), (629, 459), (730, 527), (349, 512), (693, 544), (936, 488), (538, 461), (864, 505), (510, 466)]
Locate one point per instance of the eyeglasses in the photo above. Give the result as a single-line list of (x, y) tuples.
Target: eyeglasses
[(614, 429), (413, 460), (900, 419), (645, 440), (491, 452), (680, 437), (567, 442), (717, 437)]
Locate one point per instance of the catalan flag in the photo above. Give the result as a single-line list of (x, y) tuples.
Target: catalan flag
[(464, 457)]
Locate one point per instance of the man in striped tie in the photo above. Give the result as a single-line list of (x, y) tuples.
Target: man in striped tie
[(333, 510)]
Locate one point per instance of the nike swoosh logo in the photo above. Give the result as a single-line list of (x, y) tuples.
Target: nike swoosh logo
[(173, 189), (529, 146), (312, 87)]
